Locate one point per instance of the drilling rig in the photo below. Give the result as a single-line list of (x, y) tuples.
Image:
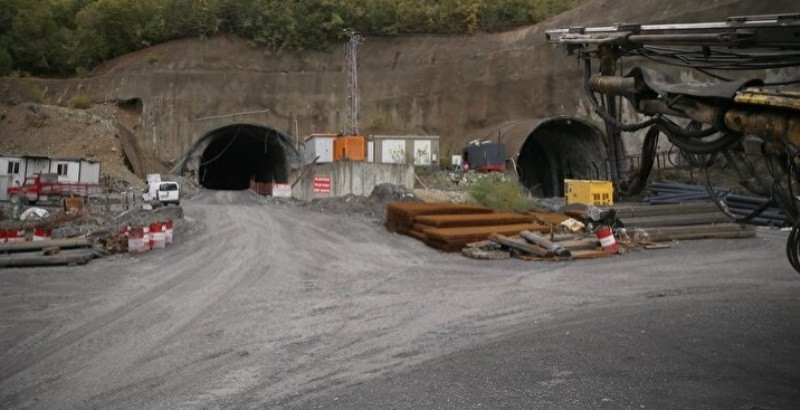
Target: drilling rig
[(741, 100)]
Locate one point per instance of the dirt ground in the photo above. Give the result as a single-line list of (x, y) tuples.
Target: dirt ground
[(263, 304)]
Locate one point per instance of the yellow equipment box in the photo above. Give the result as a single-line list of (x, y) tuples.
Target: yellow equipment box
[(599, 193)]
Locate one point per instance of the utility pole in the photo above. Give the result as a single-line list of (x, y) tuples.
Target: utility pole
[(351, 67)]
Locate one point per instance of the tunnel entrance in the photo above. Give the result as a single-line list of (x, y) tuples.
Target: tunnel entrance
[(236, 154), (561, 148)]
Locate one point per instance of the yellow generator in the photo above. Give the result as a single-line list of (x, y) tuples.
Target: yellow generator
[(600, 193)]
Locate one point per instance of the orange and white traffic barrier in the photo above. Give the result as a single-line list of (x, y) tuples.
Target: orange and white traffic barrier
[(15, 235), (40, 234), (168, 231), (157, 235), (136, 243), (607, 241)]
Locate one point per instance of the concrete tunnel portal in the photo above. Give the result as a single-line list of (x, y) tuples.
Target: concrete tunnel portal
[(548, 151), (231, 156), (560, 148)]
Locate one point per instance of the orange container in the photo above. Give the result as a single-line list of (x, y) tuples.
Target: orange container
[(350, 148)]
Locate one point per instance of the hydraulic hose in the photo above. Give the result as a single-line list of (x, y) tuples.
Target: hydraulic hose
[(649, 148), (793, 248)]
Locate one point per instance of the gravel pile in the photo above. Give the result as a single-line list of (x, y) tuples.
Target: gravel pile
[(368, 209)]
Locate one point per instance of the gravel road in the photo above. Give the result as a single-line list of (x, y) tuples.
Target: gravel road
[(268, 305)]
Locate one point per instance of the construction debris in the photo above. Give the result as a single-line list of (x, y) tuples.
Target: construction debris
[(486, 251), (48, 253), (551, 247), (480, 233), (75, 232)]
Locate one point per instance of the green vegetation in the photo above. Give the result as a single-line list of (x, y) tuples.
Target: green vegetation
[(501, 192), (64, 37), (81, 101)]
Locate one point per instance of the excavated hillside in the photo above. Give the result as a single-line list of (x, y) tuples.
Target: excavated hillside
[(458, 87), (50, 130)]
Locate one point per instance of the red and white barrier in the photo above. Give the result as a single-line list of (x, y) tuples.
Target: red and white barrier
[(607, 241), (168, 231), (147, 244), (157, 235), (40, 234), (15, 235), (151, 236), (136, 242), (3, 235)]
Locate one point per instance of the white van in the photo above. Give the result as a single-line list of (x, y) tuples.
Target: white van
[(169, 192), (166, 192)]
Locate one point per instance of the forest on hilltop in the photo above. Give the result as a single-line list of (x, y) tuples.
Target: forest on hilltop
[(60, 38)]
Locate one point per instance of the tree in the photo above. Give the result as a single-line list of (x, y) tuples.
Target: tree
[(60, 37), (36, 42)]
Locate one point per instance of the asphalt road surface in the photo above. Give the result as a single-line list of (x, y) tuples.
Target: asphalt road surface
[(271, 306)]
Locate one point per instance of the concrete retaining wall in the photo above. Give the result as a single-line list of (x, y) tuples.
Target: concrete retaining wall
[(357, 178)]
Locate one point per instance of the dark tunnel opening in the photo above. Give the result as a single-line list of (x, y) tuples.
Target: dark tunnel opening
[(558, 149), (239, 153)]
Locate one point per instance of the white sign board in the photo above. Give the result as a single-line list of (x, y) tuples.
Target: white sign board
[(282, 191)]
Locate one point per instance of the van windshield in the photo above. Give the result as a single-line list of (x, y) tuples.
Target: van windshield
[(168, 187)]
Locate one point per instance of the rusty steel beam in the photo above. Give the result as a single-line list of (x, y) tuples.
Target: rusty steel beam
[(465, 220), (479, 233)]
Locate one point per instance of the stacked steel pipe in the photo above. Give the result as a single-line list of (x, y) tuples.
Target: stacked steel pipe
[(665, 193)]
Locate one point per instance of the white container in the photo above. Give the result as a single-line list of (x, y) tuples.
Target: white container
[(319, 145)]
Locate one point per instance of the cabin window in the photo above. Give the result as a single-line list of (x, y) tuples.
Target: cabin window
[(13, 167), (62, 169)]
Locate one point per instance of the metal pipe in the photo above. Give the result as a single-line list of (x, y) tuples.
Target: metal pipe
[(551, 247), (725, 38), (768, 124), (790, 100), (609, 84)]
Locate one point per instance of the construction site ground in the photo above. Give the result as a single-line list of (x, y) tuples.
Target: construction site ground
[(267, 304)]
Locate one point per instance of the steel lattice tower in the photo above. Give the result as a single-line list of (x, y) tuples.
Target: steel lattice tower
[(351, 67)]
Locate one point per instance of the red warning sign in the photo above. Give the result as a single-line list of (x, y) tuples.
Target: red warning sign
[(322, 184)]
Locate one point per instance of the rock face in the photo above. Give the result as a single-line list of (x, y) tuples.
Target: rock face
[(458, 87)]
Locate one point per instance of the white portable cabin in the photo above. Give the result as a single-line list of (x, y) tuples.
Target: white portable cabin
[(319, 145), (75, 170), (13, 167), (67, 169), (421, 150)]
